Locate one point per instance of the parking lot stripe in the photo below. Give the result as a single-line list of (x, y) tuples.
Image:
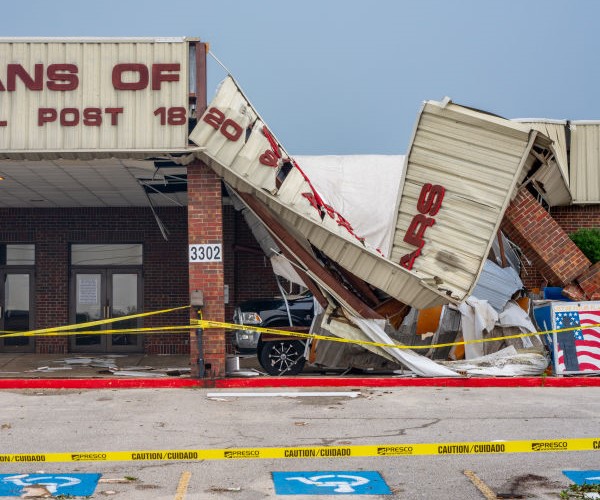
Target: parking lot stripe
[(480, 485), (182, 487)]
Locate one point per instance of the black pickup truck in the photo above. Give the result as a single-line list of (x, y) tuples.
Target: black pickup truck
[(277, 355)]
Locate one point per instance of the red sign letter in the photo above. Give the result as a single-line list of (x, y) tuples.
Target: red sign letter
[(159, 74), (140, 69), (430, 199), (62, 77)]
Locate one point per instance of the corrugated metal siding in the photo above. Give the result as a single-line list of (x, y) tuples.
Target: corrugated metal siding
[(138, 127), (585, 162), (477, 158), (237, 161)]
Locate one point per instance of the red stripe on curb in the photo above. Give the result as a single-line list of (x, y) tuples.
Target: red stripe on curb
[(232, 383), (296, 382), (100, 383)]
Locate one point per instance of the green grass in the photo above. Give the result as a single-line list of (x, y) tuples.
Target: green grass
[(580, 491)]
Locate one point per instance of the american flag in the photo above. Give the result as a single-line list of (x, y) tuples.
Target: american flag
[(586, 340)]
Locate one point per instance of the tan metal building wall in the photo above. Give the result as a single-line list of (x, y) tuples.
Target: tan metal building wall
[(585, 161), (74, 79)]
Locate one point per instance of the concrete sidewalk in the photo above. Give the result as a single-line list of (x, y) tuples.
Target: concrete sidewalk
[(138, 370), (92, 365)]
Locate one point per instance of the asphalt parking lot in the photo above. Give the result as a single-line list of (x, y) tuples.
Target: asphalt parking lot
[(162, 421)]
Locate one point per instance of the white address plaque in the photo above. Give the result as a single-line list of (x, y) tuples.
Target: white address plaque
[(211, 252)]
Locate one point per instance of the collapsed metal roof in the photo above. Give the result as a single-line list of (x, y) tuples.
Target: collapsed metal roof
[(462, 168)]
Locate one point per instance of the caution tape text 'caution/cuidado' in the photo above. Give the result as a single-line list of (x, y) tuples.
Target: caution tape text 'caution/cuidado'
[(313, 452)]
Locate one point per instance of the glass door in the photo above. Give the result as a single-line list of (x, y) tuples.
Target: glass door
[(100, 294), (16, 309), (124, 293)]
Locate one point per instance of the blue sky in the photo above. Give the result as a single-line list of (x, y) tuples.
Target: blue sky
[(348, 77)]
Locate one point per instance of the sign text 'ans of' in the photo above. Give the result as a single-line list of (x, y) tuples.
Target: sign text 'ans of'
[(65, 78)]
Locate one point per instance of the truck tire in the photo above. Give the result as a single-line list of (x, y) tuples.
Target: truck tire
[(282, 357)]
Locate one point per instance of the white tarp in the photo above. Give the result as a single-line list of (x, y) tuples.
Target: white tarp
[(477, 316), (365, 188)]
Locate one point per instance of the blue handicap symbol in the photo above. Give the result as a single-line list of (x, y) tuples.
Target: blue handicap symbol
[(330, 483), (583, 476), (13, 485)]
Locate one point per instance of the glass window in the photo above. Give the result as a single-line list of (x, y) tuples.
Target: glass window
[(104, 255), (17, 254)]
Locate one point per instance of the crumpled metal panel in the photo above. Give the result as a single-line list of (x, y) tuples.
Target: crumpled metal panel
[(585, 161), (462, 168), (552, 178), (234, 144), (497, 285)]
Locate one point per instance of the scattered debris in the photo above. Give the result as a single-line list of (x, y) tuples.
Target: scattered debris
[(49, 369), (131, 373), (121, 480), (507, 362), (216, 489)]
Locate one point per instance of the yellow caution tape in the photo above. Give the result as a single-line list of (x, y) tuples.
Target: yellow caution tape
[(310, 452), (75, 329), (89, 324), (216, 324)]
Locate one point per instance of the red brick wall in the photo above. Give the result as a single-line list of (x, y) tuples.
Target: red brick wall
[(52, 230), (543, 241), (576, 217)]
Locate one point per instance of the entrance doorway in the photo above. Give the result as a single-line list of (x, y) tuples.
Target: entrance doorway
[(106, 282), (103, 294), (16, 309)]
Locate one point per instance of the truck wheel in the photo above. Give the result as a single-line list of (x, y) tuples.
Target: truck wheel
[(282, 357)]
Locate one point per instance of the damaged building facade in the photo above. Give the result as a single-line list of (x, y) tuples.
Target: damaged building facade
[(125, 193)]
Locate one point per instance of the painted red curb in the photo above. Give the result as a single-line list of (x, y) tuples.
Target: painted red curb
[(100, 383), (295, 382), (375, 382)]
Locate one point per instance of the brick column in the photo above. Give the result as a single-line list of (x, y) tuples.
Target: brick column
[(51, 288), (205, 225), (543, 241)]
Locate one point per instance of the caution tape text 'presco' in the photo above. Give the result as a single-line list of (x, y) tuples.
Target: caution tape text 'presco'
[(310, 452)]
